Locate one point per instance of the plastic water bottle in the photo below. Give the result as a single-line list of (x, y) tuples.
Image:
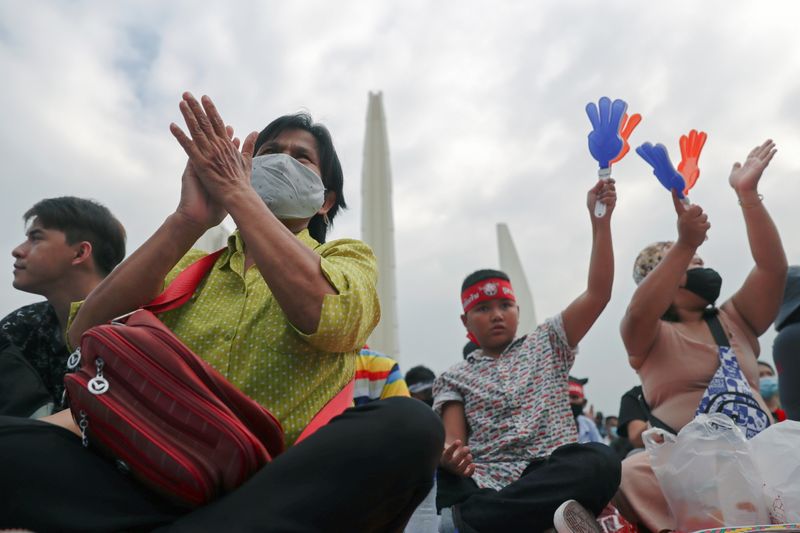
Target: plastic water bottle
[(425, 519)]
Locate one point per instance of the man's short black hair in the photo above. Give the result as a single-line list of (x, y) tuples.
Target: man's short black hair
[(480, 275), (419, 374), (84, 220), (331, 168)]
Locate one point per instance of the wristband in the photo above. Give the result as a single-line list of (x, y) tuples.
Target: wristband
[(752, 204)]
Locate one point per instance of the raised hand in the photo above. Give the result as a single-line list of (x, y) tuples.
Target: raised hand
[(691, 146), (214, 156), (693, 224), (626, 127), (658, 158), (457, 459), (745, 177), (605, 142), (195, 205), (604, 192)]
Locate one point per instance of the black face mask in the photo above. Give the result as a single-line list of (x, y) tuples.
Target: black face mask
[(576, 409), (704, 282)]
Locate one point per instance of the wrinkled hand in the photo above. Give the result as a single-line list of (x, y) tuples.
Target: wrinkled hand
[(693, 224), (658, 158), (457, 459), (195, 205), (745, 177), (605, 142), (626, 127), (691, 146), (213, 155), (604, 191)]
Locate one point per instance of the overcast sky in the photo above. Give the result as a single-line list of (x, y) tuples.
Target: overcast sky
[(485, 109)]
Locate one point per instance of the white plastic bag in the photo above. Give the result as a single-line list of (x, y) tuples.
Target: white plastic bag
[(776, 452), (707, 474)]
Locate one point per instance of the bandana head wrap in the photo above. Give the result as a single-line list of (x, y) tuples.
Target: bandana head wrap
[(482, 291), (576, 388), (648, 259)]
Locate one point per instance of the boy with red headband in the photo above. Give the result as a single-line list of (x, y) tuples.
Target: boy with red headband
[(511, 457)]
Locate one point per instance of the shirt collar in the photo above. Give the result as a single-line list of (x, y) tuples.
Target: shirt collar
[(478, 354), (236, 244)]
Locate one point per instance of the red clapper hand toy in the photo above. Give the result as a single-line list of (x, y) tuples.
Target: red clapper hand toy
[(605, 142), (691, 146), (626, 127)]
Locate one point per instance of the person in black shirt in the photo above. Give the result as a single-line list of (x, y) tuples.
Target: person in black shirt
[(70, 245)]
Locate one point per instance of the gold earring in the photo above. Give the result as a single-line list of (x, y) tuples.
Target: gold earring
[(325, 219)]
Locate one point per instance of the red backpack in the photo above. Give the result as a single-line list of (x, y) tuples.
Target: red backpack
[(166, 416)]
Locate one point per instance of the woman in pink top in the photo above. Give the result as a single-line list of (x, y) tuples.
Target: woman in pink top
[(668, 340)]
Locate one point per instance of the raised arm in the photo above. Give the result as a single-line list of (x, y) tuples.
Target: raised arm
[(288, 266), (758, 300), (456, 456), (579, 316), (657, 291), (139, 278)]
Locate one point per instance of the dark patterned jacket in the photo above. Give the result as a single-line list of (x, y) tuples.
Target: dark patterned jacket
[(34, 329)]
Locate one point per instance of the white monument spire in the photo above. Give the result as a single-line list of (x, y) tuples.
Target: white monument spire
[(377, 223), (511, 265)]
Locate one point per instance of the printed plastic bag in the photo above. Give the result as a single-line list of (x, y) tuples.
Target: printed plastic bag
[(776, 452), (707, 474)]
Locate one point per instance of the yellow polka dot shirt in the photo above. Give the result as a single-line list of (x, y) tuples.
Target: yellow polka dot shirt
[(234, 323)]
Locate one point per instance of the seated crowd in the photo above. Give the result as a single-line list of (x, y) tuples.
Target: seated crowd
[(503, 437)]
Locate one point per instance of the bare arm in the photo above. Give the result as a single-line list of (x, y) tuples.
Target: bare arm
[(758, 300), (456, 456), (635, 430), (290, 268), (657, 291), (579, 315)]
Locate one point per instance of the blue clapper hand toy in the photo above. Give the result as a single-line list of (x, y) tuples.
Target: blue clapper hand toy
[(658, 158), (605, 142)]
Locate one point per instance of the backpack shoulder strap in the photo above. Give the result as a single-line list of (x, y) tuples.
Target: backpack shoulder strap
[(653, 419), (717, 330), (334, 407), (183, 286)]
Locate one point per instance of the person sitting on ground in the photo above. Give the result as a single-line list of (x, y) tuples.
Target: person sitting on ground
[(786, 346), (282, 315), (70, 245), (768, 387), (621, 445), (420, 383), (378, 377), (688, 353), (587, 429), (599, 418), (468, 348), (511, 457), (610, 424), (632, 420)]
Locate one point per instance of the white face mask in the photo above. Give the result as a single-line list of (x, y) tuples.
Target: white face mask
[(290, 189)]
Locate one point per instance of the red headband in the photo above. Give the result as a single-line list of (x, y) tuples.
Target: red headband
[(486, 289), (576, 388)]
